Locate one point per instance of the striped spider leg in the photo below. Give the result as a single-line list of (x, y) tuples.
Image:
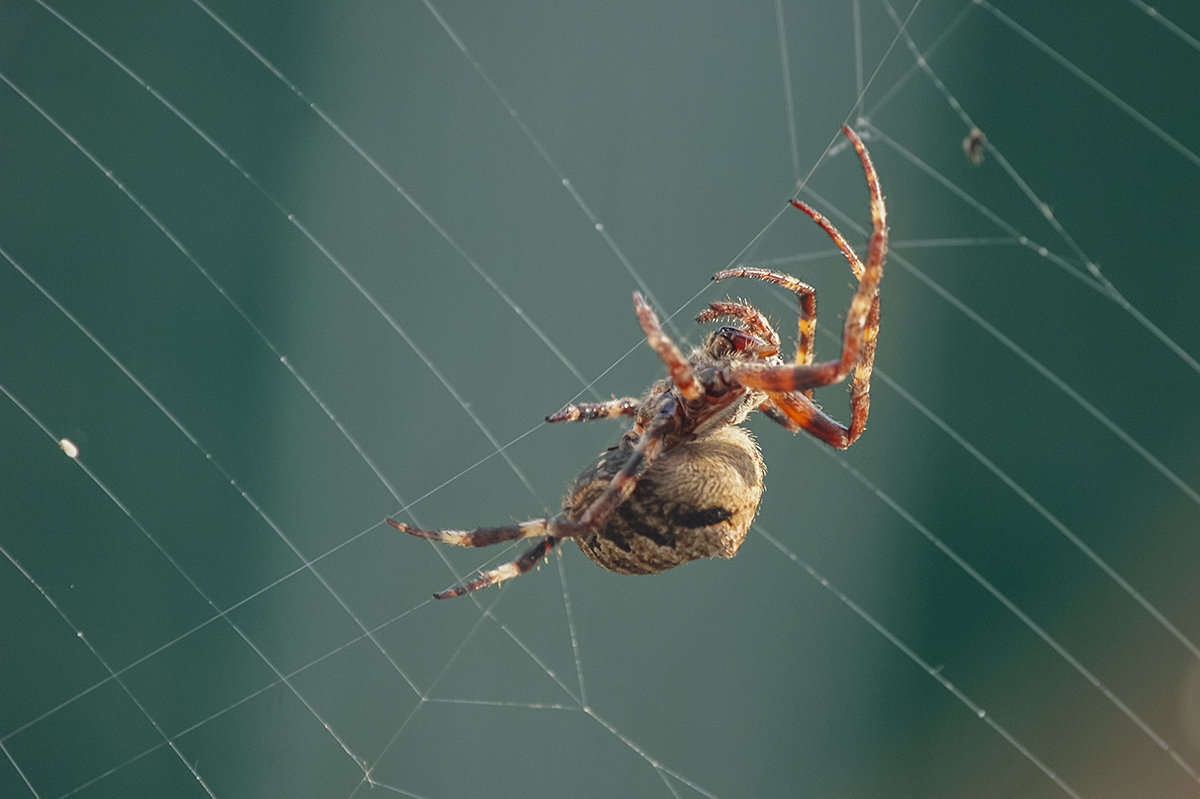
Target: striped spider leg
[(790, 387), (553, 529)]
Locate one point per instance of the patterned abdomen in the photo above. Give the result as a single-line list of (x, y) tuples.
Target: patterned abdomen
[(696, 500)]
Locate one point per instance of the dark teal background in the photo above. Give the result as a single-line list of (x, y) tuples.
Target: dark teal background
[(192, 594)]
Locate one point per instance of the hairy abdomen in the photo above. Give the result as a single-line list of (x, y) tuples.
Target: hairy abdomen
[(695, 501)]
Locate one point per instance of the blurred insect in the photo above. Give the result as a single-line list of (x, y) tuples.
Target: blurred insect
[(685, 482), (973, 146)]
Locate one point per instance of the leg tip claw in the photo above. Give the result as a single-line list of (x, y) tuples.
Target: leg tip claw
[(408, 528)]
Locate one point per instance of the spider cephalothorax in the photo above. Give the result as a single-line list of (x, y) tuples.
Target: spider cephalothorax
[(685, 481)]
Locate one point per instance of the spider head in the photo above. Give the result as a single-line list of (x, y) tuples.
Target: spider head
[(754, 340), (730, 341)]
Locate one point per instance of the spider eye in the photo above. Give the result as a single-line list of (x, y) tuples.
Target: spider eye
[(729, 340)]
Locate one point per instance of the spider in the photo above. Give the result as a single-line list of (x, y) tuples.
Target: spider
[(686, 480)]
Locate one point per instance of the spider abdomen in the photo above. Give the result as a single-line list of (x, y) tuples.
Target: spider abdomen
[(696, 500)]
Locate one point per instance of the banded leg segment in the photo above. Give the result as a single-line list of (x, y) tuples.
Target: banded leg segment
[(553, 529), (587, 411), (858, 329), (786, 384), (771, 409), (800, 413), (860, 387), (528, 559), (856, 264), (682, 374)]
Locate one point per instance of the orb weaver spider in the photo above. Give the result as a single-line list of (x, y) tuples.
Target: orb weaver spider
[(686, 480)]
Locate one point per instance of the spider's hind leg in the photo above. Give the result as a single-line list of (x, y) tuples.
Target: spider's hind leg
[(555, 527), (551, 530), (587, 411), (514, 568)]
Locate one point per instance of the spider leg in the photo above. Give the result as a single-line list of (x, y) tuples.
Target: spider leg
[(856, 264), (858, 337), (800, 413), (551, 530), (772, 410), (682, 374), (860, 387), (862, 320), (587, 411), (514, 568), (554, 529), (624, 481), (554, 526)]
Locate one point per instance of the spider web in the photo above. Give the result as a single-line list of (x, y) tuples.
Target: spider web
[(282, 271)]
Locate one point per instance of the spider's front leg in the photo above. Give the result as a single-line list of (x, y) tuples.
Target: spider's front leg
[(789, 386), (681, 372)]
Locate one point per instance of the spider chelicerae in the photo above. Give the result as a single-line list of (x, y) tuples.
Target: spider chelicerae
[(685, 482)]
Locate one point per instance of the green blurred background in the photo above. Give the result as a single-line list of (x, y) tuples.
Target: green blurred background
[(209, 599)]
